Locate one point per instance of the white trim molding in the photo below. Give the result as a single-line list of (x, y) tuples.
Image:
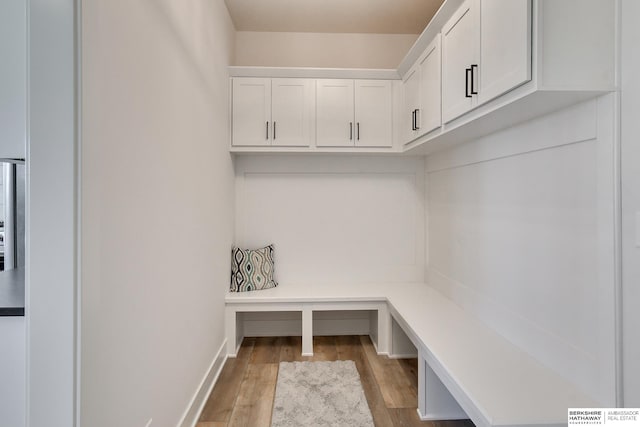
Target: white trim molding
[(199, 399)]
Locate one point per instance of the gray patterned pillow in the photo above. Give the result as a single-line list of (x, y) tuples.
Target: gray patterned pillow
[(252, 269)]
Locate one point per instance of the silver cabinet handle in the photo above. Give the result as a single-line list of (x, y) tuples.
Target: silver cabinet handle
[(350, 131), (267, 133), (274, 130), (358, 130)]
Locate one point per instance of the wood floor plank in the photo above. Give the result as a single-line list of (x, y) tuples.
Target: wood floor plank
[(381, 417), (223, 397), (403, 392), (397, 390), (410, 368), (244, 393), (291, 350), (324, 349), (246, 348), (255, 400), (266, 350), (210, 424), (348, 347)]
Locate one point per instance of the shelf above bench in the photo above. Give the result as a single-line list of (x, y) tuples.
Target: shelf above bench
[(522, 104)]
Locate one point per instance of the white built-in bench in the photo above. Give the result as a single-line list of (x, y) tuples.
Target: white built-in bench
[(309, 299), (465, 369)]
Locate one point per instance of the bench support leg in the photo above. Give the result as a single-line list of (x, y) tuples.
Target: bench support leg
[(384, 330), (307, 330), (434, 400)]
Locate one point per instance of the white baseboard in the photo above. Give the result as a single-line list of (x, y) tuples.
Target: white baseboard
[(403, 356), (199, 399), (441, 416), (375, 346), (238, 345)]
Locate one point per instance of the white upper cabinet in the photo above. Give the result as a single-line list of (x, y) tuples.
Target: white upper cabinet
[(13, 79), (505, 50), (480, 66), (429, 115), (335, 121), (273, 112), (486, 51), (373, 113), (292, 112), (411, 104), (422, 111), (354, 113), (460, 59), (508, 61), (303, 114), (251, 111)]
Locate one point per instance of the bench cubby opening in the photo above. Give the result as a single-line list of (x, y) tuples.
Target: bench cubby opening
[(307, 320)]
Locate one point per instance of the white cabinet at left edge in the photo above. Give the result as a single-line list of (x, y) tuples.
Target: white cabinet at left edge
[(13, 79), (13, 378)]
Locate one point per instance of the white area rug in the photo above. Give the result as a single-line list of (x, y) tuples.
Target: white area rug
[(320, 394)]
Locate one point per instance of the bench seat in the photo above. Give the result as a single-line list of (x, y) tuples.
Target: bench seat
[(465, 368), (495, 382), (315, 293)]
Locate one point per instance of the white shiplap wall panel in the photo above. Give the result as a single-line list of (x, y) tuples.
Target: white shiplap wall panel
[(349, 220), (520, 228)]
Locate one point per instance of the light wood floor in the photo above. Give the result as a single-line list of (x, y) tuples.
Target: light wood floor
[(244, 393)]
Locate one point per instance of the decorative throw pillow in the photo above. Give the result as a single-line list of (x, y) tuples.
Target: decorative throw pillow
[(252, 269)]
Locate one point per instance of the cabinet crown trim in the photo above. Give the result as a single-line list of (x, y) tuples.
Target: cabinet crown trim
[(314, 73)]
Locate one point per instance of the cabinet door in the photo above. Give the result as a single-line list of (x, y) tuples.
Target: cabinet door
[(505, 49), (13, 370), (460, 50), (251, 114), (334, 124), (411, 103), (293, 112), (13, 79), (373, 113), (429, 116)]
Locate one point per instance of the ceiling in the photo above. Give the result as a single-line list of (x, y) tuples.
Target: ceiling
[(333, 16)]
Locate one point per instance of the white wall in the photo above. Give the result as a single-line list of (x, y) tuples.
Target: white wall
[(272, 49), (50, 297), (520, 227), (157, 199), (630, 154), (339, 219)]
